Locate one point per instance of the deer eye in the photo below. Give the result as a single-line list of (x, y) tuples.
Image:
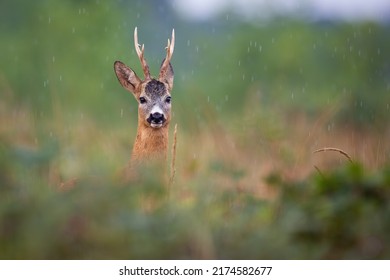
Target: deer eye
[(168, 99), (142, 100)]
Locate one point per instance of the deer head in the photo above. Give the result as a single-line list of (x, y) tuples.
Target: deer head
[(153, 95)]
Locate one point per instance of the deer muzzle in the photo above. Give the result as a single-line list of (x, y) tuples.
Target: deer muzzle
[(156, 120)]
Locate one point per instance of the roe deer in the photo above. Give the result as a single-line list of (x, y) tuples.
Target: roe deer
[(154, 104)]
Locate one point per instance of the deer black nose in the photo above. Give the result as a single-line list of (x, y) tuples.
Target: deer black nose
[(157, 117)]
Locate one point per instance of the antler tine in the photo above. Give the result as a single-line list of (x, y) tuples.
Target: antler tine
[(140, 53), (170, 47)]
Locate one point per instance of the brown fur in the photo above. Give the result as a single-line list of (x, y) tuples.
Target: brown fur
[(151, 142)]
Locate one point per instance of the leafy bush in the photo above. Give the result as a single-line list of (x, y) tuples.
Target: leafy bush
[(344, 214)]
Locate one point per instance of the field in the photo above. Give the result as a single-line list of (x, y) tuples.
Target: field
[(252, 103)]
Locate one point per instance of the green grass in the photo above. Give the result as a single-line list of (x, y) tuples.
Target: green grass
[(220, 206)]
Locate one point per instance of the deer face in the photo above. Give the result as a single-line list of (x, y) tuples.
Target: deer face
[(155, 104), (153, 96)]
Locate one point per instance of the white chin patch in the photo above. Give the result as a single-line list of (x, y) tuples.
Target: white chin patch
[(156, 125)]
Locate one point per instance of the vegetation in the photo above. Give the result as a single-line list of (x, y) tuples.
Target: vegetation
[(252, 101)]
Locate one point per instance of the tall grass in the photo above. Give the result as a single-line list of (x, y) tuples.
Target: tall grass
[(235, 195)]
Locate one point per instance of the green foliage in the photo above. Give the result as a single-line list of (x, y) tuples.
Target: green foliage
[(343, 214)]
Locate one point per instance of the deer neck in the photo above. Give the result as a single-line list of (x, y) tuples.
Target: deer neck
[(150, 143)]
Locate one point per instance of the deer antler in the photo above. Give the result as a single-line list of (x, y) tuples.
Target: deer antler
[(170, 47), (140, 53)]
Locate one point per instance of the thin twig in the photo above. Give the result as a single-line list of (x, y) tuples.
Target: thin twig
[(330, 149), (318, 170), (173, 162)]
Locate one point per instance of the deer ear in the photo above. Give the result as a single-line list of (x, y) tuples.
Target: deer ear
[(166, 75), (127, 77)]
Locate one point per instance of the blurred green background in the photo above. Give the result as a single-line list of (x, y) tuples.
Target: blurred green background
[(253, 98)]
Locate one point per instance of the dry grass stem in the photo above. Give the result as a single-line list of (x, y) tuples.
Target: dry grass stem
[(173, 162), (330, 149)]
